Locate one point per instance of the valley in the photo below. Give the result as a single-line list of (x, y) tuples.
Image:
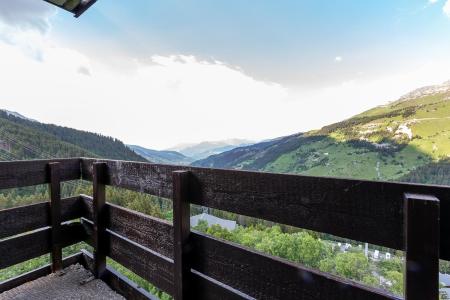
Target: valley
[(388, 142)]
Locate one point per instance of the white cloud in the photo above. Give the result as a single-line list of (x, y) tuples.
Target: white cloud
[(177, 98), (338, 59), (446, 8), (174, 99), (26, 14), (432, 1)]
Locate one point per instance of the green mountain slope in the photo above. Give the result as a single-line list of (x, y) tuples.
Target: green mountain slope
[(21, 138), (387, 142)]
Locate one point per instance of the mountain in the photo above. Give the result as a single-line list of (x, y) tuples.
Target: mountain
[(397, 141), (23, 138), (17, 115), (208, 148), (163, 157)]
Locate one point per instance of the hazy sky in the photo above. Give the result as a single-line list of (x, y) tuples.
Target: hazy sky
[(162, 72)]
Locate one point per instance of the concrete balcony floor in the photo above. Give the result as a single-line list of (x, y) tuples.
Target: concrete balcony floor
[(74, 282)]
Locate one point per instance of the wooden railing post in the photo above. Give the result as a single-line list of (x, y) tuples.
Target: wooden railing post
[(99, 232), (421, 217), (181, 224), (55, 215)]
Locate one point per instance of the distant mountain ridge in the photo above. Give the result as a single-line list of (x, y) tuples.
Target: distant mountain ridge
[(163, 156), (403, 140), (202, 150)]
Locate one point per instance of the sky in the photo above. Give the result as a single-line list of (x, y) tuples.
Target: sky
[(159, 73)]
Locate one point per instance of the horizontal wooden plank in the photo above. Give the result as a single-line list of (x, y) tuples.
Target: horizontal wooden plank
[(353, 209), (118, 282), (14, 174), (207, 288), (239, 268), (146, 263), (152, 233), (30, 217), (35, 274), (126, 287), (265, 277), (156, 268), (24, 247)]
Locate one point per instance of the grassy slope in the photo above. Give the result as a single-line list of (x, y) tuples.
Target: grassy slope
[(352, 148), (427, 117)]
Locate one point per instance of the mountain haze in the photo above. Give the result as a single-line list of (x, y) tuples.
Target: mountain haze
[(202, 150), (162, 157)]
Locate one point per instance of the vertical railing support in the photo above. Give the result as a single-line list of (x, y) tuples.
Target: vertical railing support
[(181, 224), (99, 218), (55, 215), (421, 214)]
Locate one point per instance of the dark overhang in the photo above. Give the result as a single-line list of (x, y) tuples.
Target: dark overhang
[(77, 7)]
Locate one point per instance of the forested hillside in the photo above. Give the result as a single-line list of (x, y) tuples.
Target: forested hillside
[(408, 139), (433, 173), (24, 142), (28, 139)]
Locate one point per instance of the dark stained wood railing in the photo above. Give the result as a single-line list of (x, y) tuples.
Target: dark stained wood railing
[(98, 216), (189, 264), (55, 216), (181, 226)]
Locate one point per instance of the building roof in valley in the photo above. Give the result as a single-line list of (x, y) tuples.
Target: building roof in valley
[(213, 220)]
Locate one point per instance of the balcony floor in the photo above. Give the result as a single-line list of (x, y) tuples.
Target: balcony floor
[(74, 282)]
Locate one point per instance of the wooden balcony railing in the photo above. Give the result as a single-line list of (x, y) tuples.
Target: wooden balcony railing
[(191, 265)]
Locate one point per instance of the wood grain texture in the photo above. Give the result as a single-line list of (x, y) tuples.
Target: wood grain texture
[(347, 208), (151, 266), (37, 273), (99, 219), (30, 217), (158, 269), (150, 232), (14, 174), (422, 247), (55, 216), (34, 244), (207, 288), (236, 268), (146, 263), (118, 282), (265, 277), (181, 228)]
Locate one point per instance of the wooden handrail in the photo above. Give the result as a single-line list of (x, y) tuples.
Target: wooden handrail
[(183, 263), (357, 207), (16, 174)]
